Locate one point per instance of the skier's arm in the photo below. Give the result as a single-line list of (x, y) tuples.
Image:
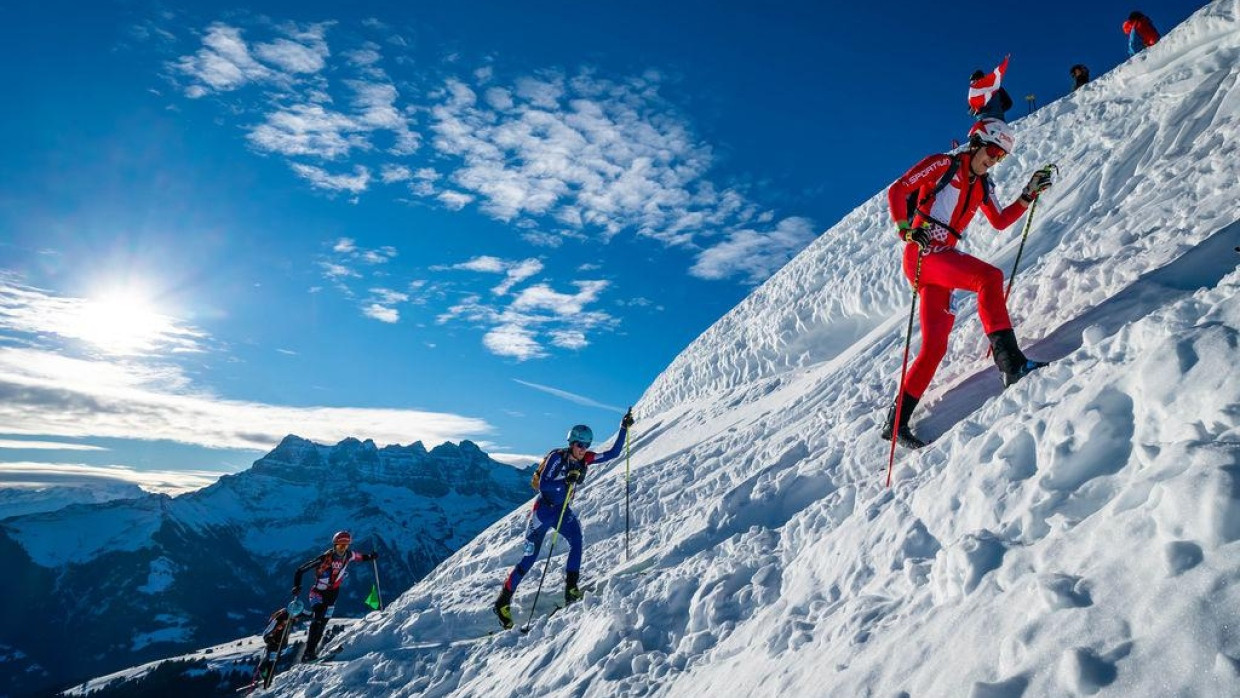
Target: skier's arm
[(308, 565), (1009, 215), (925, 173), (615, 449)]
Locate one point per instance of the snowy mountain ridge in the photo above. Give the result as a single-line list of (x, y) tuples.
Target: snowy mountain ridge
[(18, 501), (147, 577), (1074, 535)]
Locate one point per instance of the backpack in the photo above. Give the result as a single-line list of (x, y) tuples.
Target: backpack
[(536, 481), (914, 205)]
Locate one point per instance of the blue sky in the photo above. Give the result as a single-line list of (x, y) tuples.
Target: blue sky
[(441, 220)]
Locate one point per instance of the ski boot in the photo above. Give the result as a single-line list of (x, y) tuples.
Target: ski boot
[(904, 435), (572, 594), (503, 608), (1011, 361)]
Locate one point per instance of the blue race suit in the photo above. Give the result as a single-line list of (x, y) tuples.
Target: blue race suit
[(552, 489)]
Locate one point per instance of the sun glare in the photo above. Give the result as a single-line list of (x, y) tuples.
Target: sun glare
[(123, 323)]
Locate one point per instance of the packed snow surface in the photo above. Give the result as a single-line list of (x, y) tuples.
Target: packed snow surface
[(1074, 535)]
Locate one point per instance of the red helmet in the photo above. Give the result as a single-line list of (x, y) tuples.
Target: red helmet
[(342, 537)]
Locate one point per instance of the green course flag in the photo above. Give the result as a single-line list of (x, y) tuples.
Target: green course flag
[(373, 599)]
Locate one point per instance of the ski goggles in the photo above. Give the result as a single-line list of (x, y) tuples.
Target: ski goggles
[(995, 152), (583, 444)]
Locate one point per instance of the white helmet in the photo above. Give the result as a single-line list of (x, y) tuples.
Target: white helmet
[(994, 131)]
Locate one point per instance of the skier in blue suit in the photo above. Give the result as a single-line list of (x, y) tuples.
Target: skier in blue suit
[(560, 469)]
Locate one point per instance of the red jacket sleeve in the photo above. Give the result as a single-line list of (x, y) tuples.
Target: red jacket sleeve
[(920, 179), (1002, 219)]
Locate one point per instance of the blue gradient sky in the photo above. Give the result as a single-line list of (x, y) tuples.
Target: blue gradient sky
[(437, 221)]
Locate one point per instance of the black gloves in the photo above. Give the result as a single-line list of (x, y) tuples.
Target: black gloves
[(296, 590), (372, 556), (628, 420), (919, 236), (1038, 183), (575, 476)]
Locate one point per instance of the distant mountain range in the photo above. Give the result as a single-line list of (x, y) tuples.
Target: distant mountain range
[(102, 586), (18, 501)]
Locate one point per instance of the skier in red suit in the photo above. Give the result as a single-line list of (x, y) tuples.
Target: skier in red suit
[(1141, 33), (932, 205)]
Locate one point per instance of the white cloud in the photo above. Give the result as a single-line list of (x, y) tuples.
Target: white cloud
[(381, 255), (516, 460), (569, 339), (571, 397), (484, 263), (170, 482), (293, 57), (120, 326), (337, 272), (390, 174), (554, 154), (535, 315), (46, 394), (387, 296), (222, 64), (310, 130), (543, 297), (365, 56), (754, 254), (516, 273), (513, 340), (454, 200), (48, 445), (321, 179), (381, 313), (344, 245)]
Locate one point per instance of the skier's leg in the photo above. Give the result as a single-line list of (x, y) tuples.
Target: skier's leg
[(323, 603), (570, 529), (535, 530), (937, 320)]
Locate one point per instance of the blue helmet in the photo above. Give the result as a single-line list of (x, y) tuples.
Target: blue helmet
[(580, 434)]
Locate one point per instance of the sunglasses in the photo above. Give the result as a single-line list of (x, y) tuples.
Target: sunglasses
[(995, 152), (583, 444)]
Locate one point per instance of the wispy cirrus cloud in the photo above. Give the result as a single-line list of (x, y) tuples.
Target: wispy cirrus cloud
[(571, 397), (558, 154), (47, 445)]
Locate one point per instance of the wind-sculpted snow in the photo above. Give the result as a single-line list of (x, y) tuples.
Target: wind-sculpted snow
[(1145, 153), (1077, 534)]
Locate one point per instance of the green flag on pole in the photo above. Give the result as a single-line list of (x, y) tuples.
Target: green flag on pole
[(373, 599)]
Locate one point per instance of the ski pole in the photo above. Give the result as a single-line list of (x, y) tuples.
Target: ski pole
[(378, 589), (275, 659), (1023, 237), (1021, 250), (567, 496), (628, 437), (908, 339)]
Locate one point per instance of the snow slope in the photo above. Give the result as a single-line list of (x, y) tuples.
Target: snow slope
[(1075, 535)]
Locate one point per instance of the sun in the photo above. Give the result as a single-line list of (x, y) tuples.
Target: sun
[(123, 322)]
